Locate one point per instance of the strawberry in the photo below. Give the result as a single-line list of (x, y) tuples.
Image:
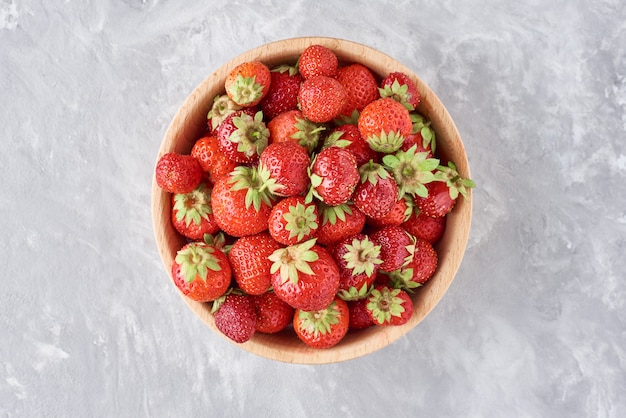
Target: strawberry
[(242, 201), (338, 222), (361, 86), (288, 164), (293, 221), (388, 306), (178, 173), (384, 123), (283, 92), (305, 276), (273, 314), (235, 317), (334, 176), (402, 88), (243, 135), (399, 213), (359, 317), (411, 170), (247, 83), (443, 193), (358, 260), (222, 107), (377, 192), (420, 269), (249, 262), (323, 328), (201, 271), (212, 160), (348, 137), (192, 215), (318, 60), (292, 126), (421, 135), (322, 98), (396, 247), (425, 227)]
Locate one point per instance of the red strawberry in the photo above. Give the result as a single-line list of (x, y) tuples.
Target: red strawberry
[(283, 93), (323, 328), (377, 192), (424, 262), (396, 216), (293, 221), (396, 247), (402, 88), (249, 262), (222, 107), (334, 175), (288, 164), (235, 317), (359, 316), (384, 123), (348, 137), (243, 135), (338, 222), (305, 276), (292, 126), (358, 260), (273, 314), (248, 83), (361, 86), (442, 194), (242, 202), (192, 215), (388, 306), (425, 227), (178, 173), (318, 60), (201, 271), (422, 135), (212, 160), (321, 98)]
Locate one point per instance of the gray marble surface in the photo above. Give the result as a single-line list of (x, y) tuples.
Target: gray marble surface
[(534, 324)]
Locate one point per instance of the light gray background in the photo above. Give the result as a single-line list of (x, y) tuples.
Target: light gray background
[(534, 324)]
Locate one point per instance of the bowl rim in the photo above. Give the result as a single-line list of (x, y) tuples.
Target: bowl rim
[(184, 129)]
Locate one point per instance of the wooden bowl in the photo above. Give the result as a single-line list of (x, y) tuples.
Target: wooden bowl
[(190, 122)]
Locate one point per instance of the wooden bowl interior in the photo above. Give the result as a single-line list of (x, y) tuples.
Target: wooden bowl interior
[(188, 125)]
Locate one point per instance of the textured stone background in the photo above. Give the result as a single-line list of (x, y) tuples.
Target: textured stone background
[(534, 324)]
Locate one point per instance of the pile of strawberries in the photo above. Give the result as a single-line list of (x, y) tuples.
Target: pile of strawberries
[(311, 202)]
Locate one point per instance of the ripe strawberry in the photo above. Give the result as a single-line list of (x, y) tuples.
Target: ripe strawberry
[(396, 247), (283, 93), (178, 173), (399, 213), (358, 260), (348, 137), (305, 276), (322, 98), (377, 192), (425, 227), (421, 135), (334, 176), (388, 306), (412, 170), (361, 86), (249, 262), (201, 271), (424, 262), (272, 313), (192, 215), (293, 221), (222, 107), (242, 202), (338, 222), (243, 135), (212, 160), (323, 328), (235, 317), (248, 83), (402, 88), (384, 123), (292, 126), (288, 164), (442, 194), (318, 60), (359, 317)]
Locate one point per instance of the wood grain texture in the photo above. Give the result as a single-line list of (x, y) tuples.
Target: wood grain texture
[(189, 123)]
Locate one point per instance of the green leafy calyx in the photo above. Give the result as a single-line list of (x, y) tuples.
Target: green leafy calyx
[(319, 322), (245, 90), (221, 108), (384, 303), (292, 260), (362, 256), (196, 259), (386, 142), (453, 180), (259, 186), (193, 207), (251, 135), (301, 220), (411, 170)]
